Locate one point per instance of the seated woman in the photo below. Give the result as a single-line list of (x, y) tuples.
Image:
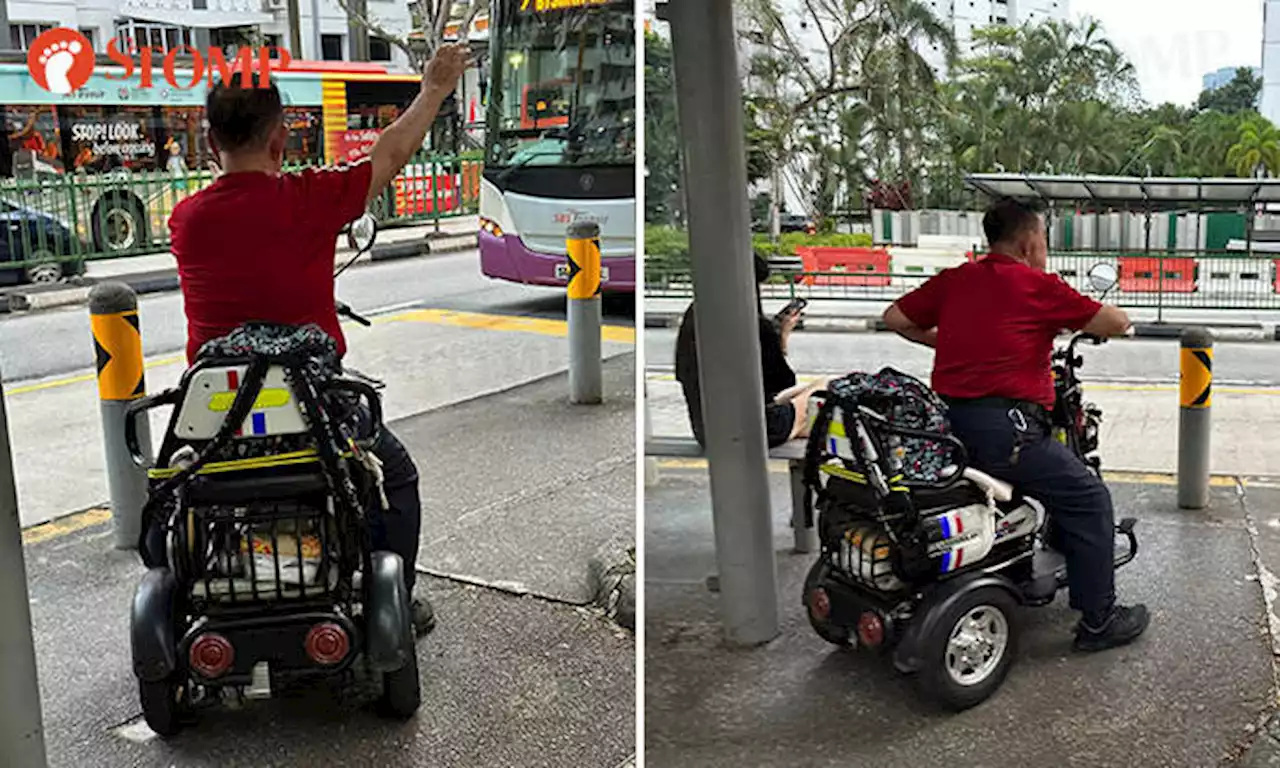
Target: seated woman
[(784, 399)]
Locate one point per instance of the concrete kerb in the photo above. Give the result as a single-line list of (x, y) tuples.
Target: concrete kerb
[(35, 298), (1237, 333)]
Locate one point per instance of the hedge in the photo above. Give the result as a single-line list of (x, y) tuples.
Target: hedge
[(667, 248)]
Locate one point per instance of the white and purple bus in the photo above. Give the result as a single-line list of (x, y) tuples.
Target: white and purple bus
[(560, 138)]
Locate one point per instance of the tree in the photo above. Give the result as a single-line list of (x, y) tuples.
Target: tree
[(431, 18), (1239, 95), (664, 197), (1257, 152)]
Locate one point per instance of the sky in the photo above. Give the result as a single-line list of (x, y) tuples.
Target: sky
[(1174, 43)]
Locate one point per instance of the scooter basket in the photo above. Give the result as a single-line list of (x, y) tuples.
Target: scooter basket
[(258, 551)]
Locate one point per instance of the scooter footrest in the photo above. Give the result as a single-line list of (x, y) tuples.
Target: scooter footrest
[(1127, 525)]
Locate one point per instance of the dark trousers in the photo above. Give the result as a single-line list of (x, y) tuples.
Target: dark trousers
[(395, 529), (1019, 450)]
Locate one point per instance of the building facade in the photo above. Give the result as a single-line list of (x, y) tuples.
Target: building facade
[(1271, 60), (167, 24), (1218, 78), (965, 16)]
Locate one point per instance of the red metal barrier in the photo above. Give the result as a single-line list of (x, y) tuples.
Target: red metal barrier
[(1139, 274), (866, 266)]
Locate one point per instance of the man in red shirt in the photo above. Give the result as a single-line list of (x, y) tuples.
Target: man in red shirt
[(993, 323), (258, 245)]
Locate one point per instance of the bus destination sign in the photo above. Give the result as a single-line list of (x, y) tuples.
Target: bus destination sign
[(547, 6)]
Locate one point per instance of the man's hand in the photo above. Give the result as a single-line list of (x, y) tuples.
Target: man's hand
[(404, 137), (441, 74)]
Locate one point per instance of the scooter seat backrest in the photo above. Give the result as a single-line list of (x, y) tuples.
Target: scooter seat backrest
[(211, 390), (999, 489)]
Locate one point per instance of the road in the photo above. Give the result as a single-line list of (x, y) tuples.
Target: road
[(1145, 360), (58, 341), (446, 334)]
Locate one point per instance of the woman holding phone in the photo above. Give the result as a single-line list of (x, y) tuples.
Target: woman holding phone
[(784, 398)]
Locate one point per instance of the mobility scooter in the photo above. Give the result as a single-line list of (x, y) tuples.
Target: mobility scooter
[(255, 531), (924, 558)]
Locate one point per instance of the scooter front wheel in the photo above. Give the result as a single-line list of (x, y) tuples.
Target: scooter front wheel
[(971, 649)]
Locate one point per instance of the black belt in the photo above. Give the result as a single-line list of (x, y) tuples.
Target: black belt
[(1028, 408)]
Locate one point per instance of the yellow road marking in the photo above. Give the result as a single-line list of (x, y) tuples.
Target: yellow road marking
[(616, 333), (65, 525), (543, 326), (170, 360)]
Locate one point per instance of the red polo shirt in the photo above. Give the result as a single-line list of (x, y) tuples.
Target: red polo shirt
[(260, 247), (997, 319)]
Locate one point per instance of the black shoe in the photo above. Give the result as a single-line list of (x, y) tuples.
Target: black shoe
[(424, 616), (1122, 626)]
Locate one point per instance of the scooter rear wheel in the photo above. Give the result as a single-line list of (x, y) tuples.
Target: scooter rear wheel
[(832, 633), (968, 654), (162, 705)]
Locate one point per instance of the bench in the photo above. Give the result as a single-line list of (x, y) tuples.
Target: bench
[(806, 536)]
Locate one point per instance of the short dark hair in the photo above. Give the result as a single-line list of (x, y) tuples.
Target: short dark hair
[(241, 115), (762, 268), (1007, 218)]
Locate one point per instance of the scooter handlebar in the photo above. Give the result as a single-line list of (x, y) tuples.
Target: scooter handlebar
[(345, 310)]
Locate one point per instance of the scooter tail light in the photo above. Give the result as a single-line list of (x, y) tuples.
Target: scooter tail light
[(327, 643), (870, 629), (820, 604), (211, 655)]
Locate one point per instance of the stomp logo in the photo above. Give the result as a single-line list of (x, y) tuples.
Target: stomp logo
[(61, 61)]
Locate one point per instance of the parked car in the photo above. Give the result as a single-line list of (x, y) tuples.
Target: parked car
[(788, 222), (27, 234)]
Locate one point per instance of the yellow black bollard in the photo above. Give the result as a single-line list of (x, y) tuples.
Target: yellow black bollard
[(117, 346), (1196, 396), (586, 369)]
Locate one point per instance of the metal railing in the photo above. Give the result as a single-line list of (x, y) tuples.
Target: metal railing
[(52, 225), (1171, 280)]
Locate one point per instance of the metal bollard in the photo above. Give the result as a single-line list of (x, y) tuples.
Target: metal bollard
[(117, 344), (21, 724), (1196, 384), (586, 369), (650, 462)]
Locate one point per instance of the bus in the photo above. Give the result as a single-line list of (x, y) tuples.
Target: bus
[(109, 162), (560, 139)]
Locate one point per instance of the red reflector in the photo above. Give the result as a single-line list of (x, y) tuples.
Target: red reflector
[(327, 643), (211, 655), (820, 604), (870, 629)]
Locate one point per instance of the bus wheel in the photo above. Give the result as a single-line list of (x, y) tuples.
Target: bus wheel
[(47, 270), (119, 224)]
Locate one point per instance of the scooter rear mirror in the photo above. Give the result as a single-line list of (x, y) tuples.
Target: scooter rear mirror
[(1103, 277), (362, 233)]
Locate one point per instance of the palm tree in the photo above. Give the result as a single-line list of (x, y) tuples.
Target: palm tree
[(1257, 152), (901, 82)]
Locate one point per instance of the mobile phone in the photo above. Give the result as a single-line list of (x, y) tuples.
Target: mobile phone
[(795, 307)]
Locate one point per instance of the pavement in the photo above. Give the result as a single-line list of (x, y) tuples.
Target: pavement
[(859, 315), (528, 536), (1197, 690), (520, 490)]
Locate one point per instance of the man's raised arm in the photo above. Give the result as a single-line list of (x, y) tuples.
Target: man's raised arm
[(398, 143)]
